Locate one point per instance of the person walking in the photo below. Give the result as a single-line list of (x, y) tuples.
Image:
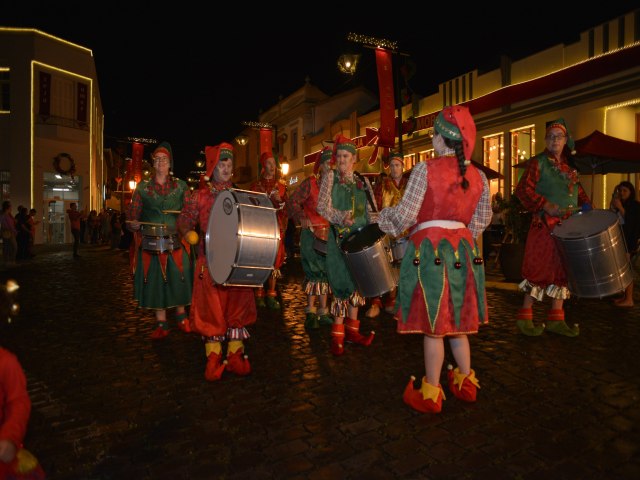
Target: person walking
[(388, 192), (269, 182), (218, 312), (74, 222), (550, 189), (163, 274), (302, 209), (441, 294), (342, 200)]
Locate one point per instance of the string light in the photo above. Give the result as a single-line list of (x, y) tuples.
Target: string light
[(257, 124), (372, 41)]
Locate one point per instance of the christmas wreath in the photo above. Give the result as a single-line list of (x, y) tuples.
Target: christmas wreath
[(57, 164)]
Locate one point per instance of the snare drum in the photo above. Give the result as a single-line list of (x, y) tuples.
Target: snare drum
[(368, 257), (159, 238), (242, 238), (398, 249), (593, 248), (320, 236)]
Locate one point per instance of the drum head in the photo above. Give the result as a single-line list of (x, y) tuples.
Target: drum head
[(362, 238), (222, 236), (585, 224), (242, 238)]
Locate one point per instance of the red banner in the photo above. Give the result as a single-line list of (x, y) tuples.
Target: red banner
[(45, 93), (137, 151), (266, 140), (386, 132), (82, 103)]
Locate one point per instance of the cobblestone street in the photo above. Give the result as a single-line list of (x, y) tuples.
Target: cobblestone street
[(108, 403)]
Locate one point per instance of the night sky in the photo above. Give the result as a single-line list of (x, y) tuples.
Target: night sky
[(190, 77)]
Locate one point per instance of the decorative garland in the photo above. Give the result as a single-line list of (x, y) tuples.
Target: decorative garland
[(72, 164)]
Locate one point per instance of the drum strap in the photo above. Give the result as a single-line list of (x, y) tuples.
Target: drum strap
[(448, 224), (366, 190)]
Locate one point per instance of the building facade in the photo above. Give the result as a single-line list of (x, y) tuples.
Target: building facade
[(594, 84), (51, 129)]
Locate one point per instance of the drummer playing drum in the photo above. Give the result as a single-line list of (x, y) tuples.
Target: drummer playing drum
[(343, 201), (388, 192), (218, 312), (162, 277), (549, 188)]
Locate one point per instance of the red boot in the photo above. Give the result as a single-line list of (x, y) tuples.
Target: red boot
[(463, 386), (159, 333), (426, 400), (238, 363), (183, 322), (214, 368), (352, 333), (337, 339)]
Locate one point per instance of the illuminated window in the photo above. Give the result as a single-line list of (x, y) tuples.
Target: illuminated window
[(493, 157), (523, 145), (62, 97)]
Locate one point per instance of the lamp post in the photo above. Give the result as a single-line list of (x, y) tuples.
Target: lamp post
[(392, 46)]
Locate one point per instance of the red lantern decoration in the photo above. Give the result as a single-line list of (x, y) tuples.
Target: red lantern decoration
[(137, 151)]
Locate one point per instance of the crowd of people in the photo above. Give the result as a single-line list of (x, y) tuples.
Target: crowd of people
[(433, 217)]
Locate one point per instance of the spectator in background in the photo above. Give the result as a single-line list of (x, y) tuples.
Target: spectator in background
[(625, 204), (9, 232), (75, 218)]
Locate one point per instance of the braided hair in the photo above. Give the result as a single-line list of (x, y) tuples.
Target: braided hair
[(462, 165)]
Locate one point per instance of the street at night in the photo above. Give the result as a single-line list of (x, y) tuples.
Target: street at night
[(109, 403)]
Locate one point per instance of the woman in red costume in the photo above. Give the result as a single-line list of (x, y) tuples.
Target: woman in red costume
[(218, 312), (550, 189), (441, 291), (269, 183)]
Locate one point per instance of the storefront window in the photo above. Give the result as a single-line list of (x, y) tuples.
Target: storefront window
[(493, 157), (523, 147)]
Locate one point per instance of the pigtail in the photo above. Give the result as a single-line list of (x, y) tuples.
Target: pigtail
[(462, 164)]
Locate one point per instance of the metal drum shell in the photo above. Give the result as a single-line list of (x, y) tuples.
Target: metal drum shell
[(368, 257), (398, 249), (242, 238), (157, 230), (157, 244), (593, 249)]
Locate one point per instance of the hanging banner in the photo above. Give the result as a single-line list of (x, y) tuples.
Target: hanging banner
[(137, 151), (45, 94), (386, 132), (266, 140), (82, 103)]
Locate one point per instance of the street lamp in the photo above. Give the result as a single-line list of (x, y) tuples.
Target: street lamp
[(242, 140), (348, 63)]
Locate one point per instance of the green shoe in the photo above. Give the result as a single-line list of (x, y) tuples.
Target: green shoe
[(311, 322), (260, 303), (325, 319), (561, 328), (527, 327), (273, 303)]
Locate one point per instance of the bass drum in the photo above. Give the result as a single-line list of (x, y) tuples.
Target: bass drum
[(368, 257), (593, 249), (242, 238)]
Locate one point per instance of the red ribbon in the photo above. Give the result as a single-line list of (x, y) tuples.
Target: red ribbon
[(371, 138)]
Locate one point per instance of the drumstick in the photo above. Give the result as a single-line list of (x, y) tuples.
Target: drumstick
[(147, 223), (171, 211)]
